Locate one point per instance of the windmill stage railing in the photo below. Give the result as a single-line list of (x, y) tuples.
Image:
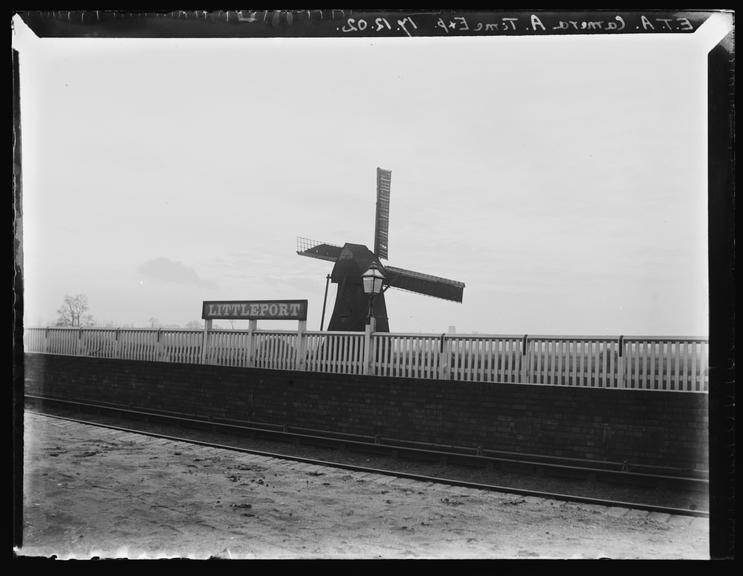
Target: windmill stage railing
[(623, 362)]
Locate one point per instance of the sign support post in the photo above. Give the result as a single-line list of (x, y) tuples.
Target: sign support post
[(205, 341), (301, 346), (252, 327)]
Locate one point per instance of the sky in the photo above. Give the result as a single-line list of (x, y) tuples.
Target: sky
[(562, 179)]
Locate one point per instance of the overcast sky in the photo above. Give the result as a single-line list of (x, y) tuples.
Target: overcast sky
[(562, 179)]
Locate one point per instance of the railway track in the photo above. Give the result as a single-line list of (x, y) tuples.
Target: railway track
[(412, 451)]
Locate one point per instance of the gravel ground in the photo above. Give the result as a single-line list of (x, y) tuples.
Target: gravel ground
[(89, 491)]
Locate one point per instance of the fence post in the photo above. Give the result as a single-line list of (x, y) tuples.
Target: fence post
[(444, 358), (252, 326), (525, 358), (46, 340), (621, 382), (368, 356), (301, 346), (78, 342), (159, 346), (205, 341)]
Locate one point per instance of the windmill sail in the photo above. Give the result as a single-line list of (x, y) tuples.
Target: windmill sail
[(351, 310), (424, 284), (382, 223), (317, 249)]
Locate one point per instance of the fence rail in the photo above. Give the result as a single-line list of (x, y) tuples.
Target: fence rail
[(628, 362)]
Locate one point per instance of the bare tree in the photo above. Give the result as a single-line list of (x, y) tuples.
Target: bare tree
[(74, 311)]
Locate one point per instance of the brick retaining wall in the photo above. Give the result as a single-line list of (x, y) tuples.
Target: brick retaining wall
[(640, 427)]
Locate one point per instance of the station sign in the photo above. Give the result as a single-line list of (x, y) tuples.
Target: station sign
[(254, 309)]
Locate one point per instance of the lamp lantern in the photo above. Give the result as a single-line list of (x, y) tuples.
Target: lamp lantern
[(372, 280)]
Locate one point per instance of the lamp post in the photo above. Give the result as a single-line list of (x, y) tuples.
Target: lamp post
[(372, 280), (322, 320)]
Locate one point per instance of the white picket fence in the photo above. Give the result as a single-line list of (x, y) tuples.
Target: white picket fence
[(642, 363)]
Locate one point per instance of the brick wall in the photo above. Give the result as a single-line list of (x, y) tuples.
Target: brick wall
[(641, 427)]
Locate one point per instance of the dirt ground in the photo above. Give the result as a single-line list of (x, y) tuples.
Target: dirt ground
[(90, 491)]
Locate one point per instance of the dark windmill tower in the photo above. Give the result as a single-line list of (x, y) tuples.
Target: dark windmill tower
[(352, 260)]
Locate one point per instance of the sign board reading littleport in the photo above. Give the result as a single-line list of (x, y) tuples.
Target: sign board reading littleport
[(255, 310)]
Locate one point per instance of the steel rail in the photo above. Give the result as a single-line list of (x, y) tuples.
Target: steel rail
[(398, 474), (484, 458)]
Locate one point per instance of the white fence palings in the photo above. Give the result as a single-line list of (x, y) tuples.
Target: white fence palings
[(334, 352), (639, 363)]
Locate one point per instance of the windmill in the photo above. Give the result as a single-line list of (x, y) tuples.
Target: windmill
[(352, 260)]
